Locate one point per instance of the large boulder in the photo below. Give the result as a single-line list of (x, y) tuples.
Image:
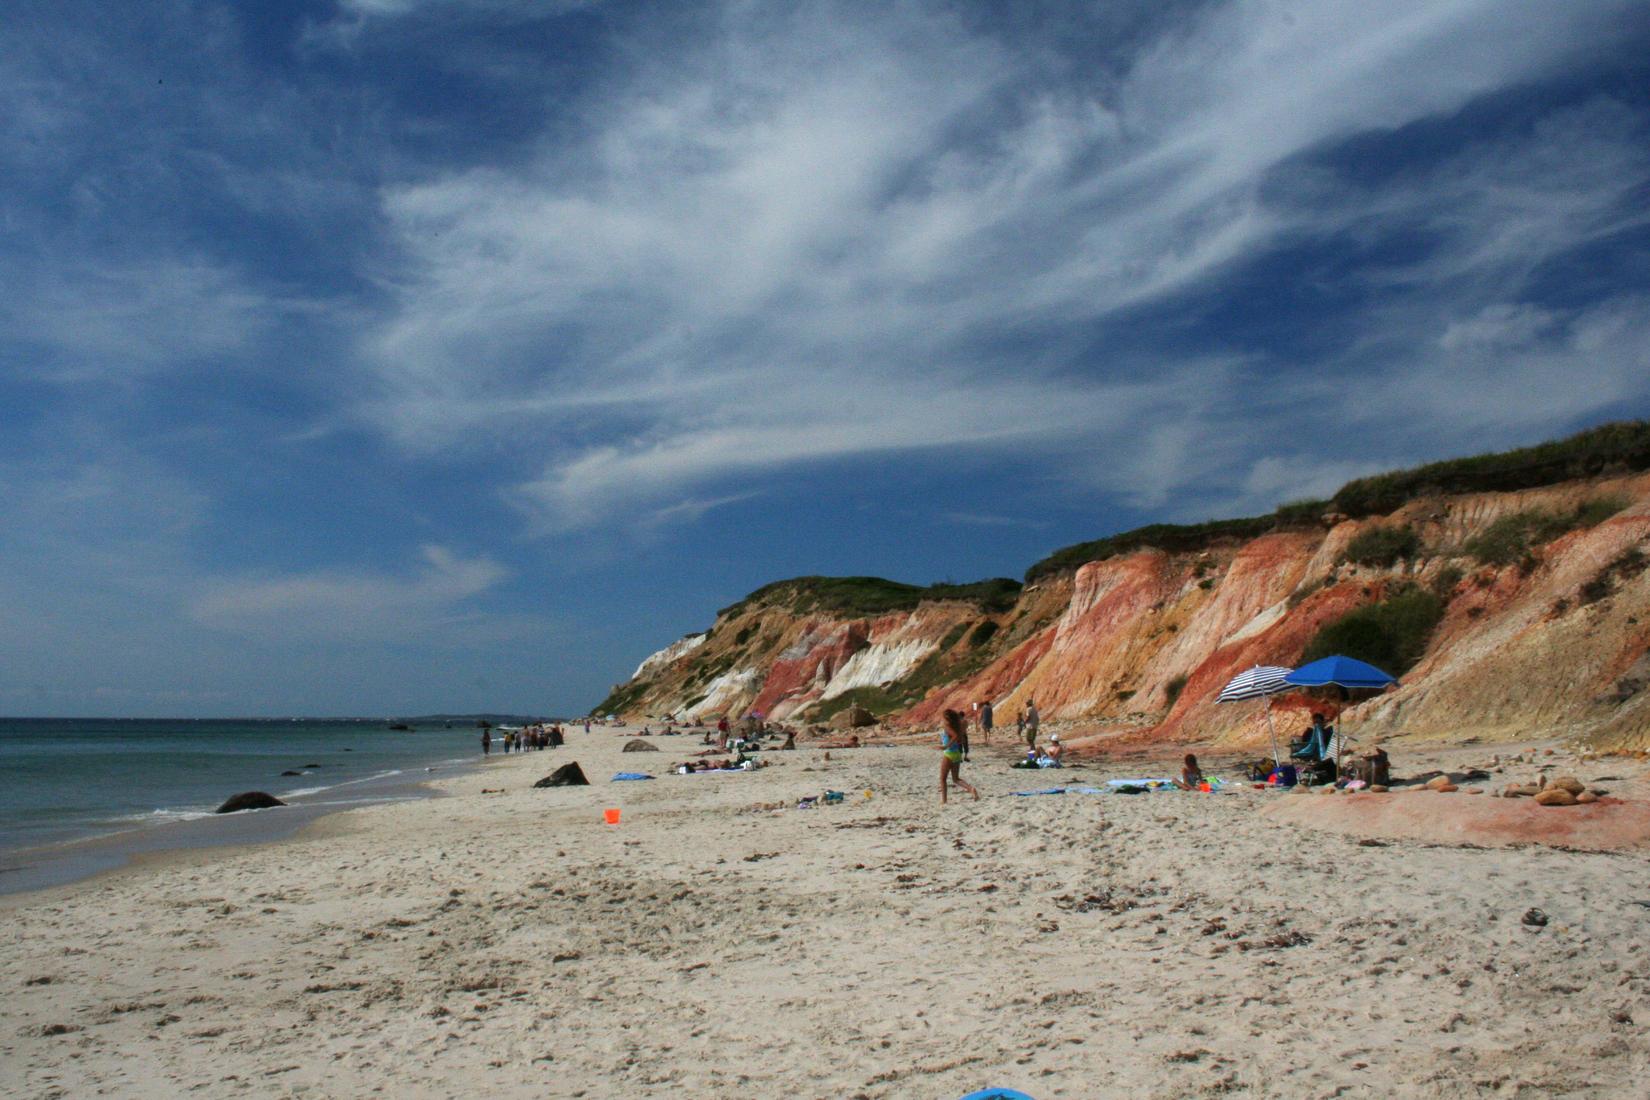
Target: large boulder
[(568, 775), (853, 717), (638, 745), (249, 800)]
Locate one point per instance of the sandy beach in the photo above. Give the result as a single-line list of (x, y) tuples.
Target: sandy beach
[(1076, 945)]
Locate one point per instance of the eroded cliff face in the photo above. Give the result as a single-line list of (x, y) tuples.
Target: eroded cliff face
[(1553, 643)]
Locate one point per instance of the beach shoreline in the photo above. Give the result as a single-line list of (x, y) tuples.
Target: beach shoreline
[(25, 869), (711, 944)]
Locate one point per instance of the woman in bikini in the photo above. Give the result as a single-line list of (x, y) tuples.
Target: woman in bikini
[(953, 742)]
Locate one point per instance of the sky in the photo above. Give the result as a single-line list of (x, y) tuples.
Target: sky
[(402, 356)]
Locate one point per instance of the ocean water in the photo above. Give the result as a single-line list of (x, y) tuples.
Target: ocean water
[(69, 783)]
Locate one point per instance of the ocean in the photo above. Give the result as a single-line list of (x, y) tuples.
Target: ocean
[(82, 795)]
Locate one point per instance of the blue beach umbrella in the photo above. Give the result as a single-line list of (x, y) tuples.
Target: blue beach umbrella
[(1348, 672)]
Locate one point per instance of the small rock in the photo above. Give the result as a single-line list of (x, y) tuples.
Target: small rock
[(1475, 790), (1567, 783), (1555, 796), (1327, 789), (1534, 918), (1378, 788), (1438, 782), (1447, 788), (1586, 796)]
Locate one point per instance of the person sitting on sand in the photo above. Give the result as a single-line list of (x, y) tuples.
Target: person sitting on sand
[(1055, 750), (1314, 741), (851, 743), (952, 742), (1191, 776), (790, 740)]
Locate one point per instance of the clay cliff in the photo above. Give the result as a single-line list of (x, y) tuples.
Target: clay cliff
[(1510, 593)]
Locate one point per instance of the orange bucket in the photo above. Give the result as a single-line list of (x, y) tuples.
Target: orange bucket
[(611, 816)]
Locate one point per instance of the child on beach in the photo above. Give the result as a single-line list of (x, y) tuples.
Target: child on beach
[(953, 743), (1191, 776)]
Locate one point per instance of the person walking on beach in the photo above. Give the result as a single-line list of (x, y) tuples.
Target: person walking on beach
[(486, 742), (1033, 720), (953, 743), (986, 721)]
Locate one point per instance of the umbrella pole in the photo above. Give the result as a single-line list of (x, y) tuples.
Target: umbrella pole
[(1273, 733)]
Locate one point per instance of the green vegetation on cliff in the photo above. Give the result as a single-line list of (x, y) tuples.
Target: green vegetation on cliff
[(1391, 634), (1175, 538), (1622, 447), (874, 595)]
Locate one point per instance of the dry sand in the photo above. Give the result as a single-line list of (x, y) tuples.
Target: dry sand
[(1072, 946)]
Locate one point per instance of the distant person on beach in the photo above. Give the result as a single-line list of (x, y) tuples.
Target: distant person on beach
[(1191, 776), (1033, 721), (986, 720), (1020, 728), (486, 742), (953, 743)]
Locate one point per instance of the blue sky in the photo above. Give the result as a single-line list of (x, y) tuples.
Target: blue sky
[(392, 356)]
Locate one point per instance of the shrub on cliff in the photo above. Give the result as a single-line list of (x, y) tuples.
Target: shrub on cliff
[(875, 595), (1512, 538), (1383, 546), (1391, 634), (1610, 448)]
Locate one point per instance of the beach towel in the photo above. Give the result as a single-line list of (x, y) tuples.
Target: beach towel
[(620, 776), (1141, 784), (1045, 790)]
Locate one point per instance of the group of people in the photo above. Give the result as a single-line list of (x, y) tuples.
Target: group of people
[(1026, 721), (535, 737)]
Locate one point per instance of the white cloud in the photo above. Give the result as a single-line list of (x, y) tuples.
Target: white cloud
[(808, 237), (433, 599), (113, 319)]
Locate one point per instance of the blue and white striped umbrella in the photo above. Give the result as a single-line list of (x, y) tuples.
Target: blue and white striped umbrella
[(1257, 683)]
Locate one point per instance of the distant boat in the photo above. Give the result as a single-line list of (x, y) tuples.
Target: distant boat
[(401, 726)]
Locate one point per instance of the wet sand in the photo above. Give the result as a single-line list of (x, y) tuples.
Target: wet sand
[(1074, 945)]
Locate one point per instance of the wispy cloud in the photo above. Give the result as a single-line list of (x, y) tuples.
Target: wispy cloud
[(807, 238), (431, 600)]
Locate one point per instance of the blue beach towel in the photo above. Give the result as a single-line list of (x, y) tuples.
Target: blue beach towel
[(1045, 790), (630, 775)]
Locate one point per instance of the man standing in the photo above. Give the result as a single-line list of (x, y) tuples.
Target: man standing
[(986, 720), (1033, 720)]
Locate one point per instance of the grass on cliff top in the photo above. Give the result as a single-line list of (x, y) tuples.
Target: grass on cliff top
[(875, 595), (1176, 537), (1622, 447)]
